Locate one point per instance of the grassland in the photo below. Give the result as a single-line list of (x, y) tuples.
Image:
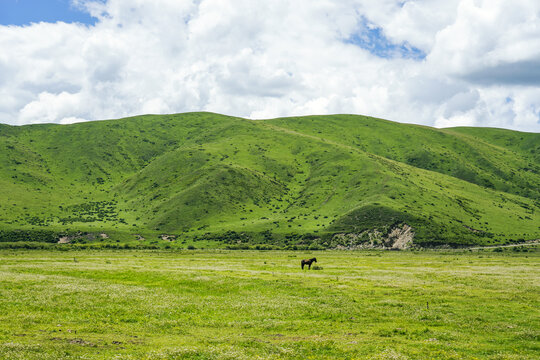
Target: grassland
[(248, 305), (217, 181)]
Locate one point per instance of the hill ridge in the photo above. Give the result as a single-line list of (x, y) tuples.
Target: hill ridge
[(200, 175)]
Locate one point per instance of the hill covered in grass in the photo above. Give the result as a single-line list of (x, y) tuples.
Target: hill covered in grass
[(317, 181)]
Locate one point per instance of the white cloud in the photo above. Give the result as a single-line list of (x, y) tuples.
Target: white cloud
[(277, 58), (488, 35), (51, 107)]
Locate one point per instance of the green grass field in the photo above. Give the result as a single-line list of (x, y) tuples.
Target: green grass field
[(248, 305)]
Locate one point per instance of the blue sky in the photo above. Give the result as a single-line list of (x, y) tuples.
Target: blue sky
[(24, 12), (373, 39)]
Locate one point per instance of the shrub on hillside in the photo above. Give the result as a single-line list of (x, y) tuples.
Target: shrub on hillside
[(28, 235)]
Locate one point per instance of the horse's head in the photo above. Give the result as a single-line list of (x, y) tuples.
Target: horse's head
[(314, 260)]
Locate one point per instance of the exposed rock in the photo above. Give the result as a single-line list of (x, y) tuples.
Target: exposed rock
[(398, 238), (401, 237), (167, 237), (64, 240)]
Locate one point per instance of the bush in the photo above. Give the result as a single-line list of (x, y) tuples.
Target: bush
[(315, 247), (28, 235)]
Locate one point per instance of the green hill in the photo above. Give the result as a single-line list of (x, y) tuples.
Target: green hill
[(317, 181)]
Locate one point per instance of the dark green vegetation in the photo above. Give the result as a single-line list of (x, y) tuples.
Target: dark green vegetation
[(209, 180), (260, 305)]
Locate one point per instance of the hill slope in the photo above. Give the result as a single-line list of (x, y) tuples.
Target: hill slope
[(327, 181)]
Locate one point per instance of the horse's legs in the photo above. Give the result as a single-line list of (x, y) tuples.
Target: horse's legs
[(303, 266)]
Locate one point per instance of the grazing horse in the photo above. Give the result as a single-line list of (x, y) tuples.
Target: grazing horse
[(308, 263)]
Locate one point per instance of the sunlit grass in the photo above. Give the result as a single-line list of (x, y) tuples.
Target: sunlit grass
[(245, 305), (201, 176)]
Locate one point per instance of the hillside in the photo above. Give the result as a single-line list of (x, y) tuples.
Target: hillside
[(319, 181)]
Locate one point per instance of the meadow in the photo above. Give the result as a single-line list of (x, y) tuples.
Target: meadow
[(216, 304)]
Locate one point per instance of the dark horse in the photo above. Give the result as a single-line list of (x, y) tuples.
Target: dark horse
[(308, 263)]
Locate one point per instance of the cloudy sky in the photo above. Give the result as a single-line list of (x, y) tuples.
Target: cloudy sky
[(434, 62)]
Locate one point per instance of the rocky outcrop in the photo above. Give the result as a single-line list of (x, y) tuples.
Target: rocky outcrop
[(401, 237), (397, 238), (166, 237), (68, 238)]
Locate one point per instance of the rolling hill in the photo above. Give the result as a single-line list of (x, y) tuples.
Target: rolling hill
[(316, 181)]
